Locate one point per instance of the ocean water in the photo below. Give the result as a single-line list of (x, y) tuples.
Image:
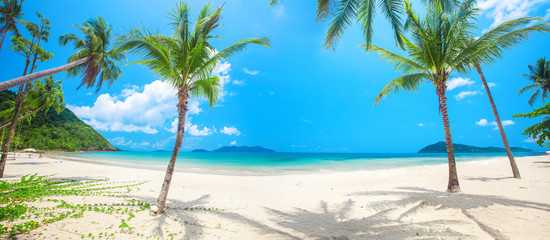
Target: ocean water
[(273, 163)]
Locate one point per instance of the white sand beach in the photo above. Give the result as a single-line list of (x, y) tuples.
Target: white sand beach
[(403, 203)]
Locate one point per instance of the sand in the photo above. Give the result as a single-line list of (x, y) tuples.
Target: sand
[(401, 203)]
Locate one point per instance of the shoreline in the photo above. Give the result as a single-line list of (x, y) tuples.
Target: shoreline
[(402, 203), (183, 167)]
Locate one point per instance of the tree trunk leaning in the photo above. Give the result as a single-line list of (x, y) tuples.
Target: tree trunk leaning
[(515, 169), (37, 75), (453, 185), (3, 37), (13, 126), (182, 110)]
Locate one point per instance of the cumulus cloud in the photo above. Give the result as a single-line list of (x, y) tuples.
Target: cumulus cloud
[(192, 129), (233, 143), (484, 122), (230, 131), (458, 82), (193, 107), (250, 72), (503, 10), (238, 82), (465, 94), (132, 110), (122, 142), (421, 124), (529, 140), (491, 84), (222, 71)]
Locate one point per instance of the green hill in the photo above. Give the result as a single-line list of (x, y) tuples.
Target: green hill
[(441, 147), (52, 132)]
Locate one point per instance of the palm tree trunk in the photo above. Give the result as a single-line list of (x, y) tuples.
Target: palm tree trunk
[(31, 77), (453, 185), (515, 169), (182, 110), (21, 118), (13, 126), (3, 37)]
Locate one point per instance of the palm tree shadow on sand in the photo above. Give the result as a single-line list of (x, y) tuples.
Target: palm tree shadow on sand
[(335, 224), (420, 198), (192, 225)]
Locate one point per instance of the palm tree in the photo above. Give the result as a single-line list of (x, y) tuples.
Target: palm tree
[(185, 61), (342, 12), (93, 60), (539, 74), (10, 12), (436, 50), (42, 96), (508, 35)]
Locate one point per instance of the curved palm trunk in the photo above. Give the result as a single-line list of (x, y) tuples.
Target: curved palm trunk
[(21, 118), (37, 75), (13, 126), (3, 37), (515, 169), (182, 110), (453, 185)]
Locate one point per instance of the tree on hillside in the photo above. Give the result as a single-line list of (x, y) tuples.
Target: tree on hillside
[(42, 96), (94, 61), (539, 74), (185, 60), (10, 12), (506, 36), (32, 51)]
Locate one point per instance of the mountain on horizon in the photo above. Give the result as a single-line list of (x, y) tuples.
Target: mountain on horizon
[(238, 149), (441, 147)]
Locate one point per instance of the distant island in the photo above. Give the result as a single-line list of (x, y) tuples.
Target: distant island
[(441, 147), (237, 149)]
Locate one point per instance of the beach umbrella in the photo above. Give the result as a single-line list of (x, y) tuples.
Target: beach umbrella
[(30, 150)]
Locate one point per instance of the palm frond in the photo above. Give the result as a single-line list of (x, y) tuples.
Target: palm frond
[(344, 11), (206, 88), (408, 83)]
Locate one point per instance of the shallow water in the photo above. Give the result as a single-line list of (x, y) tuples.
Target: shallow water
[(270, 163)]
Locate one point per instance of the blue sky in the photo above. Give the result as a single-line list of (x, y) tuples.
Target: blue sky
[(294, 96)]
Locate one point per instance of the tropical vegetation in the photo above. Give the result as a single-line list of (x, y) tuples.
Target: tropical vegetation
[(186, 61), (94, 61), (539, 74), (540, 132), (11, 11)]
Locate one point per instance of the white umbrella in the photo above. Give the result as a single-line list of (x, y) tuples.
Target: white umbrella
[(30, 150)]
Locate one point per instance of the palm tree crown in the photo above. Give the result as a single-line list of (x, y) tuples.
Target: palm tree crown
[(10, 12), (539, 74), (100, 65)]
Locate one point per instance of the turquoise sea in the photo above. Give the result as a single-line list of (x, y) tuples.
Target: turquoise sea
[(274, 163)]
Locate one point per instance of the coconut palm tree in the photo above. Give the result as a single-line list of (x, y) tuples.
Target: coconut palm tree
[(508, 35), (341, 13), (94, 61), (185, 60), (436, 50), (539, 74), (10, 12), (42, 96)]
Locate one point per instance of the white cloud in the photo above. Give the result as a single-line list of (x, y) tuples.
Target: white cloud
[(484, 122), (132, 110), (458, 82), (278, 11), (233, 143), (421, 124), (306, 121), (547, 16), (195, 131), (503, 10), (250, 72), (192, 129), (193, 107), (238, 82), (529, 140), (271, 93), (465, 94), (121, 142), (222, 71), (230, 131), (491, 84)]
